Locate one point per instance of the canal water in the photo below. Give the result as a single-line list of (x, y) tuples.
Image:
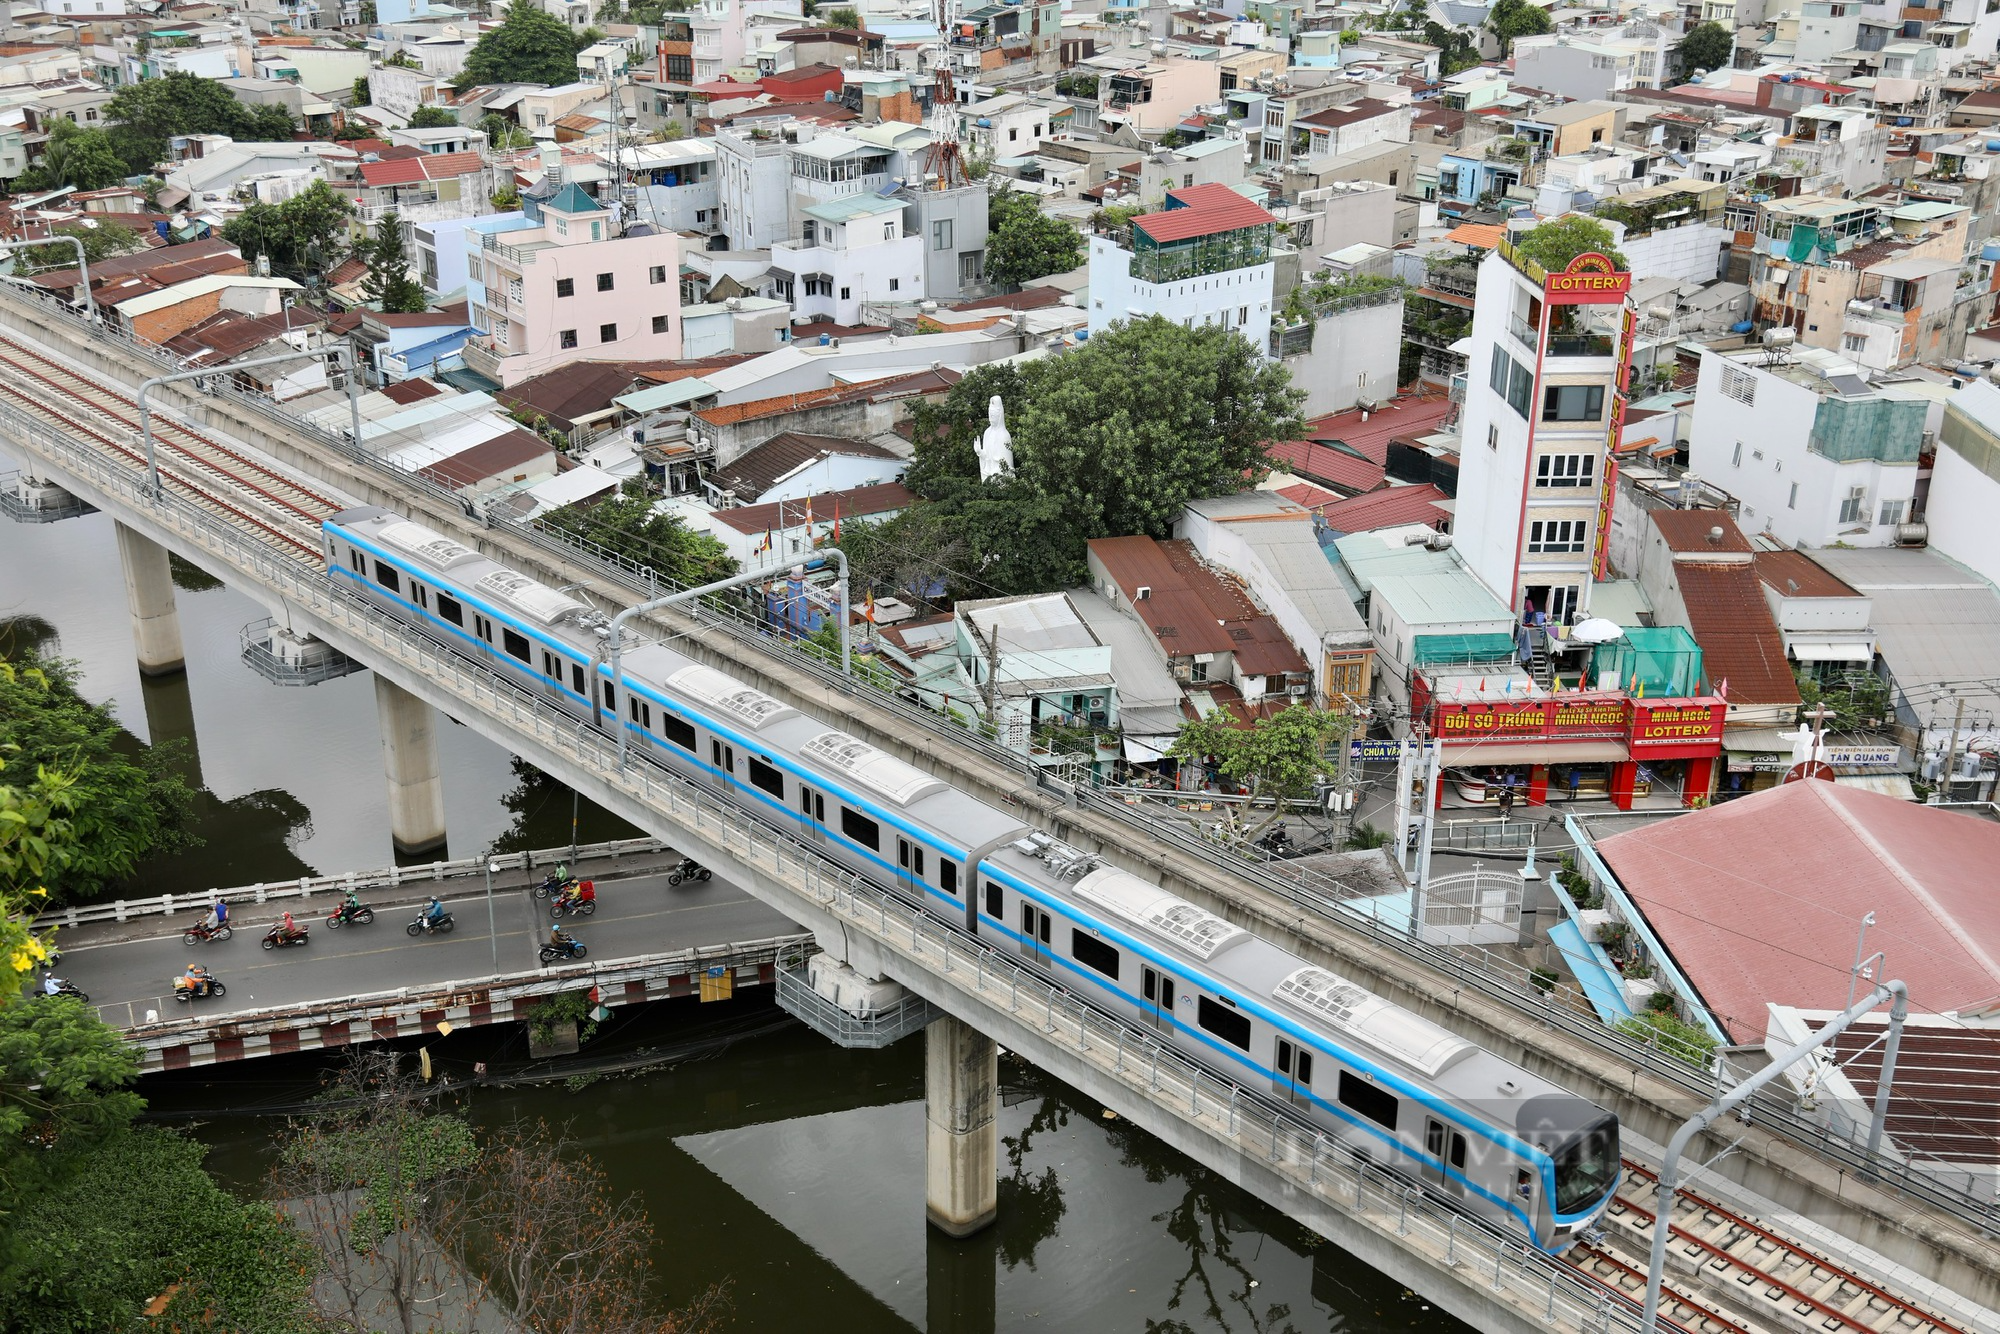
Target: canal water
[(766, 1157)]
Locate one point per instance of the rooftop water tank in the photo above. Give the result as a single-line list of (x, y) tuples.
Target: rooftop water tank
[(1993, 145), (1990, 251)]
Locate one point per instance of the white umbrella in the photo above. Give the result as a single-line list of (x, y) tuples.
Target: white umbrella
[(1596, 630)]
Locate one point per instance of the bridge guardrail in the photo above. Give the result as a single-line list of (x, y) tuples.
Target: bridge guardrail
[(507, 986), (1944, 1185), (306, 886)]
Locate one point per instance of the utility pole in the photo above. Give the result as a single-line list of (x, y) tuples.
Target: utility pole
[(1950, 755)]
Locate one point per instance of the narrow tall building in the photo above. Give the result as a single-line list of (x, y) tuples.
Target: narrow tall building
[(1544, 396)]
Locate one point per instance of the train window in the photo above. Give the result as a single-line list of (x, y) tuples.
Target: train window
[(1152, 986), (549, 667), (610, 696), (1093, 953), (385, 575), (995, 908), (677, 730), (516, 645), (1457, 1155), (449, 609), (813, 804), (1305, 1067), (910, 857), (1378, 1105), (1434, 1138), (1223, 1020), (860, 828), (766, 778), (642, 712), (576, 677), (357, 560), (483, 628), (948, 876), (421, 594), (1524, 1183)]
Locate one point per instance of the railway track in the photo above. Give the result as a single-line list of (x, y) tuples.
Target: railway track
[(239, 488), (1729, 1274)]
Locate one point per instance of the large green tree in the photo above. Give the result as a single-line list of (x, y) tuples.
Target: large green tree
[(100, 238), (1023, 243), (121, 802), (1555, 243), (529, 46), (433, 118), (75, 155), (389, 286), (627, 525), (1508, 19), (1110, 439), (1281, 757), (304, 236), (1707, 46), (145, 115)]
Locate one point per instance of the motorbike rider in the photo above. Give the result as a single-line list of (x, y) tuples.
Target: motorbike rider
[(350, 903), (285, 928), (218, 913), (195, 978), (434, 910), (560, 939), (52, 985)]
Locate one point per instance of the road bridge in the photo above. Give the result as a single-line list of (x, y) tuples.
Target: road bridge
[(839, 909)]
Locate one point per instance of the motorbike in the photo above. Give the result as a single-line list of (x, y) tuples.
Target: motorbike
[(277, 938), (582, 901), (359, 914), (64, 988), (201, 931), (690, 870), (424, 925), (555, 883), (569, 950), (190, 988)]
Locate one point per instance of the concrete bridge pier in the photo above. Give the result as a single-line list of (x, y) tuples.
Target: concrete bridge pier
[(149, 590), (962, 1142), (962, 1284), (410, 756)]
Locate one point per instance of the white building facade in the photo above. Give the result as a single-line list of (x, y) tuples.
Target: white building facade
[(1206, 259)]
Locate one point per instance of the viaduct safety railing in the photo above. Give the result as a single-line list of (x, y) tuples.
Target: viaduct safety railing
[(388, 877), (1943, 1185), (177, 1023)]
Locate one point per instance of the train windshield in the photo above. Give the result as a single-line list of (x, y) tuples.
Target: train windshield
[(1586, 1166)]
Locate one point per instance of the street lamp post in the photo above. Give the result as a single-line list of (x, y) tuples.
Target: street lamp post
[(341, 351), (82, 266), (492, 930)]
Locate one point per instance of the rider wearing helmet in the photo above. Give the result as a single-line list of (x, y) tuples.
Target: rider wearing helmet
[(560, 939), (434, 910), (350, 902), (285, 928)]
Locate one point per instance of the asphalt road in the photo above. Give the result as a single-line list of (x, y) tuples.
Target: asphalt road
[(639, 916)]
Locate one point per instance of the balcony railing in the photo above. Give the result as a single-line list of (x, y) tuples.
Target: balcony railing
[(481, 359), (1524, 333), (512, 254), (1580, 345)]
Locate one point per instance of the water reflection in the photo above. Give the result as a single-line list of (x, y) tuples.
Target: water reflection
[(549, 813)]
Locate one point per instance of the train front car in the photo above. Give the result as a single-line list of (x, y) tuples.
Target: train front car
[(1580, 1141)]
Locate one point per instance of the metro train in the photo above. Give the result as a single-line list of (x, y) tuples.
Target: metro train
[(1386, 1082)]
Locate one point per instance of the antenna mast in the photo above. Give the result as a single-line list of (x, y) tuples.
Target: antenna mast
[(944, 162)]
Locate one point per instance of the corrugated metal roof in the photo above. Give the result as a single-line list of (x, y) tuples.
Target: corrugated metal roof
[(1204, 210), (1816, 857), (1739, 641), (1934, 620)]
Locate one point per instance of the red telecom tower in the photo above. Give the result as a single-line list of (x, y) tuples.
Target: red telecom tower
[(944, 160)]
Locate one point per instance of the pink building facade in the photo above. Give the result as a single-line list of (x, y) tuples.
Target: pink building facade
[(569, 287)]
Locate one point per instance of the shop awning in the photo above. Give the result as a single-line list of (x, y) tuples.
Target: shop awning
[(1757, 741), (1535, 752), (1822, 652), (1889, 785), (1147, 749)]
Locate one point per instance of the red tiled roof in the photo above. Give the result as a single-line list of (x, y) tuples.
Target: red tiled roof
[(1739, 641), (863, 502), (1387, 508), (1205, 210), (1817, 857), (1352, 455), (421, 167), (512, 452)]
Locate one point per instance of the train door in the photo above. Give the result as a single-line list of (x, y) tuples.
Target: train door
[(1446, 1148), (910, 865), (1295, 1073), (552, 675), (812, 805), (1034, 933), (724, 756), (1436, 1138), (1156, 990)]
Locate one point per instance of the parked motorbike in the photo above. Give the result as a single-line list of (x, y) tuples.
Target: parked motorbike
[(63, 988), (558, 881), (572, 949), (359, 914), (191, 987), (691, 871), (582, 901), (201, 931), (277, 938), (424, 925)]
